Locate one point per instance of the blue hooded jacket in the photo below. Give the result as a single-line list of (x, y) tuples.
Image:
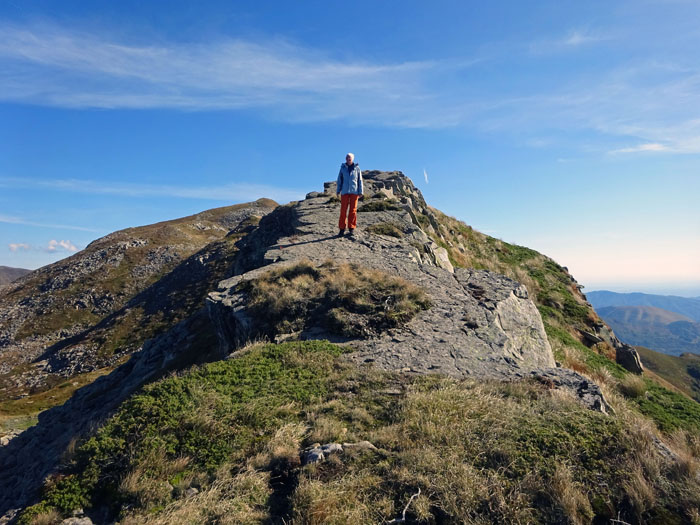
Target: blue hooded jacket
[(349, 180)]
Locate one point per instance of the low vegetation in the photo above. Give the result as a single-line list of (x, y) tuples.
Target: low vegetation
[(386, 228), (346, 299), (682, 371), (379, 202), (18, 414), (222, 444)]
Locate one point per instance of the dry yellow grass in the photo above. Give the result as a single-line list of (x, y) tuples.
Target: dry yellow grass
[(50, 517), (353, 499), (347, 299), (571, 496), (230, 500), (632, 386)]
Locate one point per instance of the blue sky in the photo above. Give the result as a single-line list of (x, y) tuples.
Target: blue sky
[(569, 127)]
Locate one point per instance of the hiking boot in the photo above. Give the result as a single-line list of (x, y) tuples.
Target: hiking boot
[(341, 233), (351, 233)]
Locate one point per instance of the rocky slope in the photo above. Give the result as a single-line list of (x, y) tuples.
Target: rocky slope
[(481, 323), (91, 309), (499, 314), (682, 371)]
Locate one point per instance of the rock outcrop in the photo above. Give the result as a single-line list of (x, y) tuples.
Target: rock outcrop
[(481, 324), (628, 357)]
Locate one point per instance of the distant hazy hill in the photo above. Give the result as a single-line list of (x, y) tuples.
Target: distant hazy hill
[(655, 328), (7, 274), (642, 314), (690, 307)]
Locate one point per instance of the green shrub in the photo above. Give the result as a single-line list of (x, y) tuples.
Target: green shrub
[(215, 414), (668, 409)]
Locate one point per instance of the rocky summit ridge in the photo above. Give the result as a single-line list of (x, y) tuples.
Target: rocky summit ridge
[(481, 324)]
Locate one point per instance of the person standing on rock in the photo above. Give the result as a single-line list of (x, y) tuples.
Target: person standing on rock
[(349, 187)]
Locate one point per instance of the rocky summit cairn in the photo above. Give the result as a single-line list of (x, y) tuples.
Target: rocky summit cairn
[(481, 324)]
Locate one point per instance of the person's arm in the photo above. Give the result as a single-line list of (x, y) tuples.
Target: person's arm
[(359, 185), (339, 182)]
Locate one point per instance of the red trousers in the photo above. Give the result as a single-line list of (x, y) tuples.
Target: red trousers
[(348, 206)]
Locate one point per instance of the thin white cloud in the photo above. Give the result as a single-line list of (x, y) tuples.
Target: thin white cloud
[(234, 192), (17, 246), (425, 175), (56, 67), (647, 103), (578, 38), (60, 246), (574, 39), (7, 219), (654, 147)]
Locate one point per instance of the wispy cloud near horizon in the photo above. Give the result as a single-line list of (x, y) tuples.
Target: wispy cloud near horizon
[(8, 219), (52, 246), (60, 246), (234, 192), (650, 147), (298, 83), (17, 246)]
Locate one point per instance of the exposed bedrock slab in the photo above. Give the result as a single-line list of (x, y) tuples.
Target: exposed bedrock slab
[(481, 323)]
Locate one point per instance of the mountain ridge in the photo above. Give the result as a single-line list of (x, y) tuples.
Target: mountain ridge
[(643, 314), (79, 314), (518, 321), (688, 306), (654, 328)]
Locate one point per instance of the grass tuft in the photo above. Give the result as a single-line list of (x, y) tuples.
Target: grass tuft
[(379, 205), (386, 228)]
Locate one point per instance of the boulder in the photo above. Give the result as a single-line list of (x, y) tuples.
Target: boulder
[(628, 358)]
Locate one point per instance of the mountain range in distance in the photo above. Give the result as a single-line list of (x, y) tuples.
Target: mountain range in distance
[(8, 274), (687, 306), (667, 324)]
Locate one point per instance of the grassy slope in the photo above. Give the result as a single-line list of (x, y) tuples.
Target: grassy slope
[(118, 280), (565, 313), (682, 371), (144, 306), (19, 414), (478, 452)]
